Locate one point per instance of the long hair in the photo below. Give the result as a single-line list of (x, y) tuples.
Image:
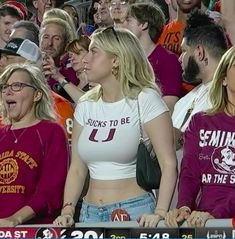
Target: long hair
[(218, 92), (44, 107), (134, 71)]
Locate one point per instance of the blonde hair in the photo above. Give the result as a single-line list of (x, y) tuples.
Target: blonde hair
[(44, 107), (218, 93), (68, 32), (134, 72), (61, 14)]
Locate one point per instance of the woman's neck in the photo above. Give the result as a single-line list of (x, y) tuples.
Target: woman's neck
[(24, 122), (230, 108), (111, 91)]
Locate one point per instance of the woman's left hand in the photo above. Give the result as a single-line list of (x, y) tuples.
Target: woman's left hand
[(149, 220), (198, 219), (8, 222)]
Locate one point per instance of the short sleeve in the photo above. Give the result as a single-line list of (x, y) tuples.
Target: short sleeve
[(79, 112), (151, 104)]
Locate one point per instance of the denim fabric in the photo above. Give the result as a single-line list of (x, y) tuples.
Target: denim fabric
[(135, 207)]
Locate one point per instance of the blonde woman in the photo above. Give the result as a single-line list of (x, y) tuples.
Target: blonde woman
[(106, 135), (206, 184), (33, 149)]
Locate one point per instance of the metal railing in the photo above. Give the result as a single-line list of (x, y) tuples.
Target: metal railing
[(133, 224)]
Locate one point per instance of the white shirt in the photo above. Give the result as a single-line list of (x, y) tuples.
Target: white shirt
[(110, 136), (197, 97)]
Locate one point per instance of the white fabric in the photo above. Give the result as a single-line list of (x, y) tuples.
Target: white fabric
[(30, 51), (109, 140), (200, 95)]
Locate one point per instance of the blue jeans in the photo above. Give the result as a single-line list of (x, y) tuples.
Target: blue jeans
[(135, 207)]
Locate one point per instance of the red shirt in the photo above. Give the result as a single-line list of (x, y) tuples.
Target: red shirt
[(64, 110), (33, 170)]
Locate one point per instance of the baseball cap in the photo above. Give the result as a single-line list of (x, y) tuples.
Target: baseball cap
[(24, 48), (19, 6)]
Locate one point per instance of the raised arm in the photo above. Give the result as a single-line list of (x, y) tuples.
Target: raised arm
[(228, 13)]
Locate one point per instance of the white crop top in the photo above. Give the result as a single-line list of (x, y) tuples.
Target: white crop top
[(110, 136)]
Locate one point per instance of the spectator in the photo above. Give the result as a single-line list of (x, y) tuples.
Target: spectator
[(206, 186), (59, 13), (118, 63), (26, 30), (172, 34), (19, 50), (30, 169), (72, 11), (41, 7), (118, 11), (8, 16), (146, 21), (77, 49), (104, 14), (203, 45), (54, 36), (95, 20), (18, 6)]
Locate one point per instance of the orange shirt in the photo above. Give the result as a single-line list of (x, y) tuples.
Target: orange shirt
[(172, 36), (1, 122), (64, 110)]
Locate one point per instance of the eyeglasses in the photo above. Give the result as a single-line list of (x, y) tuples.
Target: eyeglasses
[(16, 86), (122, 3), (113, 30)]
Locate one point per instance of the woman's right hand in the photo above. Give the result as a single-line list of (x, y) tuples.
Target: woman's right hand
[(175, 216), (64, 221)]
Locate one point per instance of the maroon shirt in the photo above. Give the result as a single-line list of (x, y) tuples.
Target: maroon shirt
[(70, 75), (168, 71), (207, 177), (33, 170)]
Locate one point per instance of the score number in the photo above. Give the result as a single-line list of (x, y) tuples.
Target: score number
[(82, 233)]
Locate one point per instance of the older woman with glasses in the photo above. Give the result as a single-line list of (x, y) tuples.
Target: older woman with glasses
[(106, 136), (33, 149)]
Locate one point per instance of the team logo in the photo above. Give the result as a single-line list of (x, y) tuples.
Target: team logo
[(223, 160), (46, 233), (8, 171), (12, 45), (216, 234)]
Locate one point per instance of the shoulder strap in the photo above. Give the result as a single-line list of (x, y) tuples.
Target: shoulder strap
[(140, 125)]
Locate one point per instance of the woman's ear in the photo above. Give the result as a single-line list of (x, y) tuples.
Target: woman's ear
[(37, 96), (115, 62), (225, 81)]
